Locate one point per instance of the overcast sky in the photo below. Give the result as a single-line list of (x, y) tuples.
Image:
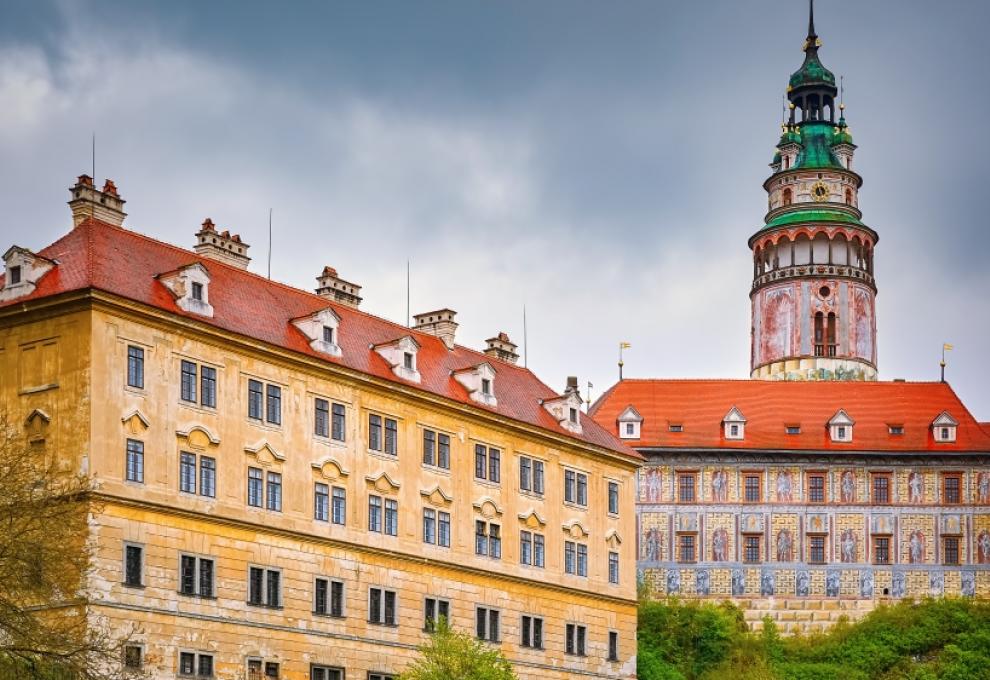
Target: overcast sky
[(599, 162)]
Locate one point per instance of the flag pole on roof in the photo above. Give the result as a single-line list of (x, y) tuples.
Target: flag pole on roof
[(622, 346), (946, 347)]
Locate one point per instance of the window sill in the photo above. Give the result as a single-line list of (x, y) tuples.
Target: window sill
[(196, 406), (383, 455), (535, 495), (488, 483), (136, 391), (330, 441), (196, 596), (325, 615), (261, 605), (437, 469), (37, 389), (135, 586), (383, 624), (264, 425), (576, 506)]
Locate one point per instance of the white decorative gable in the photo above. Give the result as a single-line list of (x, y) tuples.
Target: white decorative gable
[(191, 287), (944, 427), (23, 270), (479, 381), (630, 423), (734, 424), (841, 427), (566, 410), (322, 330), (401, 357)]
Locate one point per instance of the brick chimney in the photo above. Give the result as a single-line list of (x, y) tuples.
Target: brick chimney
[(87, 201), (221, 245), (572, 385), (332, 287), (500, 347), (439, 323)]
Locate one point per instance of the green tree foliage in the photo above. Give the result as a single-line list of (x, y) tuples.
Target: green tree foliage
[(452, 655), (928, 640)]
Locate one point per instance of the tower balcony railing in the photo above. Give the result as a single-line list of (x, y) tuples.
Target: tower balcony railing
[(801, 271), (829, 350)]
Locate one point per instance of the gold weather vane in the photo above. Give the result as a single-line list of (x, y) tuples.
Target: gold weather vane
[(622, 346), (946, 347)]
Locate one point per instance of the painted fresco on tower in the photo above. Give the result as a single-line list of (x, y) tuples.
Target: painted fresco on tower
[(778, 324), (863, 313)]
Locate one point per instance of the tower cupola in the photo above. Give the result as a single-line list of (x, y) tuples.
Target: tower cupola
[(811, 88)]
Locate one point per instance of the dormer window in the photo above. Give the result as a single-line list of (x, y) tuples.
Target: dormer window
[(675, 427), (401, 357), (328, 335), (841, 427), (321, 331), (944, 428), (15, 275), (734, 431), (564, 410), (190, 285), (895, 429), (734, 424), (792, 429), (630, 423), (23, 271), (479, 381), (573, 417)]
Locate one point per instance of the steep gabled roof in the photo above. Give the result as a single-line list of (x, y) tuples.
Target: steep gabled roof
[(699, 406), (100, 256)]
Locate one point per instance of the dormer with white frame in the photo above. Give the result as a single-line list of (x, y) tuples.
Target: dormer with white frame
[(23, 270), (734, 425), (401, 357), (630, 423), (566, 409), (840, 427), (479, 381), (944, 428), (322, 329), (190, 285)]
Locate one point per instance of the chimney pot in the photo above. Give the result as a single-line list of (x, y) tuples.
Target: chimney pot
[(332, 287), (572, 384), (88, 202), (439, 323), (500, 347), (219, 246)]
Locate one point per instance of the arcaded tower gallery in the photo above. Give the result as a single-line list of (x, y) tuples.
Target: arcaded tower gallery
[(813, 295)]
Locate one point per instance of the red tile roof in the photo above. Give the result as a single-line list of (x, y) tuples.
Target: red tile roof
[(120, 261), (769, 406)]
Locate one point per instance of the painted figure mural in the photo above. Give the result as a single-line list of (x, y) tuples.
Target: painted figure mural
[(897, 584), (916, 547), (649, 485), (832, 581), (983, 547), (720, 545), (937, 583), (738, 583), (866, 584), (702, 582), (916, 488), (847, 543), (983, 488), (766, 583), (848, 485), (651, 545), (803, 584), (863, 305), (778, 325), (720, 486), (968, 584), (785, 546), (673, 581), (784, 486)]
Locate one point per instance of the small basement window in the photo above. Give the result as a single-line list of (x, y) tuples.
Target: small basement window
[(793, 429)]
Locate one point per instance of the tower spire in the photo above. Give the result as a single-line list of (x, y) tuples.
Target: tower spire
[(811, 20)]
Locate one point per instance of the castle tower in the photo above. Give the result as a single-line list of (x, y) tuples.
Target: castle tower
[(813, 295)]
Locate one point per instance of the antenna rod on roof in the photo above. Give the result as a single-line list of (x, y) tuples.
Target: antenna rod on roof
[(94, 157), (408, 324), (269, 244), (525, 340)]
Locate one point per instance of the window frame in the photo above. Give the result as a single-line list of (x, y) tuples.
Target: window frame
[(134, 472), (812, 540), (758, 476), (335, 606), (958, 477), (438, 607), (135, 367), (746, 547), (613, 567), (692, 537), (682, 477), (946, 542), (814, 474), (321, 501), (126, 565), (529, 638), (875, 549), (382, 613), (612, 489), (575, 639), (889, 492), (265, 601), (198, 562), (486, 623)]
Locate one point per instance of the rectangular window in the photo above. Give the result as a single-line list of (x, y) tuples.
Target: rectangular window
[(328, 334), (321, 418), (273, 588), (337, 423), (375, 514), (752, 488), (197, 665), (187, 575), (525, 474), (206, 572), (339, 505), (375, 432), (574, 642), (433, 610), (407, 361), (204, 666), (429, 525), (429, 447), (197, 290), (480, 538), (487, 539), (532, 632), (133, 565), (487, 624), (187, 472), (582, 489), (480, 461), (391, 517), (570, 557), (207, 476), (816, 549), (538, 550), (793, 429), (881, 549), (188, 381), (133, 656), (321, 502), (613, 645), (195, 576), (952, 488), (255, 493), (135, 461), (443, 523), (271, 670), (613, 498), (881, 489), (686, 548), (494, 541), (326, 673), (494, 465), (582, 560), (254, 399), (273, 404), (187, 663), (135, 369), (381, 606), (443, 451), (525, 547), (274, 491), (685, 488), (950, 546), (613, 567), (575, 487), (391, 437), (15, 275), (256, 586), (328, 598), (208, 386), (538, 477), (751, 549), (816, 488)]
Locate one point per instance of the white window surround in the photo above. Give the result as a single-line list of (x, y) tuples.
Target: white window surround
[(394, 353), (841, 427), (734, 418), (472, 379), (32, 268), (180, 284), (944, 428), (630, 416), (312, 327), (560, 408)]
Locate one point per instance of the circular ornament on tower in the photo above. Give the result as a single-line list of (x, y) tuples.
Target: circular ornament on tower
[(819, 191)]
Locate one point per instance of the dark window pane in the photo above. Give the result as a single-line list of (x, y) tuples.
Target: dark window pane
[(135, 372), (207, 476), (208, 385), (337, 426), (254, 399), (135, 461), (187, 472), (321, 425), (391, 437), (132, 566), (188, 381), (273, 413)]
